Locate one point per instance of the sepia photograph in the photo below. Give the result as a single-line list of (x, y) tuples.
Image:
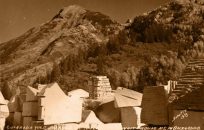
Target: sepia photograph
[(101, 64)]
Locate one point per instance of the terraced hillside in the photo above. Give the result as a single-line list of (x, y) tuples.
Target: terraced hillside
[(188, 92)]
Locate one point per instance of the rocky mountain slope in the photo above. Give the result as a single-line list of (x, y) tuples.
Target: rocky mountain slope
[(32, 55), (180, 19), (78, 43)]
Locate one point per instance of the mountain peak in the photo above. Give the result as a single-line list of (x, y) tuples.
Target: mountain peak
[(71, 32), (72, 10)]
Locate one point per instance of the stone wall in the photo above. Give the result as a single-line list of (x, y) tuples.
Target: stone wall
[(100, 87)]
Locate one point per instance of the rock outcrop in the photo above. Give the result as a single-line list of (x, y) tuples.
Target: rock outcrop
[(26, 58)]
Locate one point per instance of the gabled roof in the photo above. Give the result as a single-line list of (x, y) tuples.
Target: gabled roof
[(2, 100), (78, 93), (126, 98)]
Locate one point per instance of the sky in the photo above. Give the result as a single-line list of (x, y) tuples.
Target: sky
[(17, 16)]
